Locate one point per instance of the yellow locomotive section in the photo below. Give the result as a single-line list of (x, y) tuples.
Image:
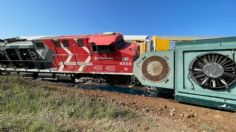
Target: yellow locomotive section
[(160, 44), (156, 43)]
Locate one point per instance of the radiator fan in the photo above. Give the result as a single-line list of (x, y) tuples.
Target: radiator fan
[(155, 68), (213, 71)]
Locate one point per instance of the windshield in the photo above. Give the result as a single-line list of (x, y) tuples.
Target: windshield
[(103, 48), (120, 44)]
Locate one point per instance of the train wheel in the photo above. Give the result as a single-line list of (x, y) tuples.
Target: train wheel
[(73, 78), (35, 75), (4, 72), (151, 91)]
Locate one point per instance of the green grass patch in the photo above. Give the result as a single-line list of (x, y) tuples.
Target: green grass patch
[(26, 107)]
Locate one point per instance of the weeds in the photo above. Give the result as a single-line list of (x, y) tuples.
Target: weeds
[(25, 107)]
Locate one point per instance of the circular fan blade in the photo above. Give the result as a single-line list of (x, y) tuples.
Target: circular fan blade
[(155, 68), (213, 70)]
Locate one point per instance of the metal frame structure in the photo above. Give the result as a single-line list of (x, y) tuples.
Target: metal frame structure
[(186, 90)]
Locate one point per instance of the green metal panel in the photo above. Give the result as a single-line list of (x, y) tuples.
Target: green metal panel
[(205, 101), (166, 82), (186, 90)]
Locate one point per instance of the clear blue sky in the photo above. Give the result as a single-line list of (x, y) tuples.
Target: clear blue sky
[(146, 17)]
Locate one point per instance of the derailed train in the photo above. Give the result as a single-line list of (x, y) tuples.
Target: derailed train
[(199, 72), (106, 54)]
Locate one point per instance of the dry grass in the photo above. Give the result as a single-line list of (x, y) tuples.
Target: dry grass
[(25, 107)]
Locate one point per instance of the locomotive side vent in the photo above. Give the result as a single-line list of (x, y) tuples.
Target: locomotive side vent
[(213, 71), (155, 68)]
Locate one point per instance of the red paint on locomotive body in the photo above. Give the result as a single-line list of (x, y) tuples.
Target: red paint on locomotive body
[(96, 53)]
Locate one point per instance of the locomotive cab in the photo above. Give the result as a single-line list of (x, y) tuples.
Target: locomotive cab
[(107, 43), (111, 44), (111, 55)]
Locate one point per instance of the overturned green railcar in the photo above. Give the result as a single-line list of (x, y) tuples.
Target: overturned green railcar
[(200, 72)]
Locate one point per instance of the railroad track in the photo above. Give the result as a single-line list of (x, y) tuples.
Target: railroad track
[(134, 89), (124, 88)]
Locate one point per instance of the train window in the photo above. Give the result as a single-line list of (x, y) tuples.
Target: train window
[(120, 44), (39, 45), (65, 43), (106, 48), (94, 47), (57, 43), (80, 43)]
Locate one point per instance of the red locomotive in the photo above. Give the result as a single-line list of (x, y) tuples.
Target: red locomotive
[(106, 53)]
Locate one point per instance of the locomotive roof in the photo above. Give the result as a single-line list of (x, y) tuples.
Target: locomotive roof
[(66, 37), (101, 39), (98, 39)]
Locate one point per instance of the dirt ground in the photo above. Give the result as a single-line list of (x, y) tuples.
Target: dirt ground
[(167, 114)]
